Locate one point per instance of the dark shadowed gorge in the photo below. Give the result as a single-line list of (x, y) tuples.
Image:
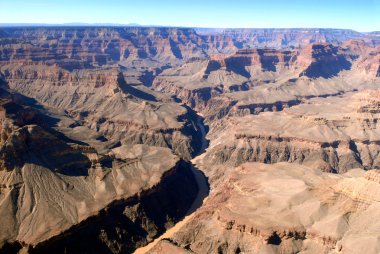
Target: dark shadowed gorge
[(185, 140)]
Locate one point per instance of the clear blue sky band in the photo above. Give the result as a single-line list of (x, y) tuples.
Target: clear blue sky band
[(360, 15)]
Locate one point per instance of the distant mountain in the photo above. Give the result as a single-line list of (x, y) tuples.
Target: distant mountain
[(65, 24), (103, 129)]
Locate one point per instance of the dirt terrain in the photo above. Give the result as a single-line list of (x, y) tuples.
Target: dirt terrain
[(180, 140)]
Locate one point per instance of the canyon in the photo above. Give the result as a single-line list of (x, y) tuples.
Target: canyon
[(181, 140)]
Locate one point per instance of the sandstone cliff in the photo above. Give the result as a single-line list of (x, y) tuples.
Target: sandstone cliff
[(52, 185), (98, 126), (284, 208)]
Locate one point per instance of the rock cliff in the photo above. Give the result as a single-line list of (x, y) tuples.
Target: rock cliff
[(99, 127), (52, 186), (283, 208)]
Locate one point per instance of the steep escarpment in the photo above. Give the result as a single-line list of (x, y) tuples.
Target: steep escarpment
[(81, 47), (127, 224), (52, 185), (326, 61), (98, 126), (255, 211), (330, 134), (82, 143), (370, 62), (308, 107), (88, 47), (266, 59), (257, 80), (103, 101), (230, 40)]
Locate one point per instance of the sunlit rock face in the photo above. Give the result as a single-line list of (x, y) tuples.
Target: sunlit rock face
[(283, 208), (102, 131)]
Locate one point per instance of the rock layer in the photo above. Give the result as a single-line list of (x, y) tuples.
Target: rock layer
[(52, 185), (255, 211), (330, 134), (103, 101), (98, 125)]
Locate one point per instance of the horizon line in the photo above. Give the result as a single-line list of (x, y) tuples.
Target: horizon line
[(84, 24)]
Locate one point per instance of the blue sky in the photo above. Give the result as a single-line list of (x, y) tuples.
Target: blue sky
[(361, 15)]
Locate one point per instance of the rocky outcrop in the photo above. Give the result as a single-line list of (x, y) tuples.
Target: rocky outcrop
[(230, 40), (103, 101), (265, 59), (326, 61), (98, 125), (261, 209), (29, 144), (127, 224), (23, 142), (78, 48), (53, 188), (370, 63), (330, 134), (85, 47), (261, 79), (194, 98)]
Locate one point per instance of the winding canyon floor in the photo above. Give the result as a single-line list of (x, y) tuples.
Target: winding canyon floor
[(175, 140)]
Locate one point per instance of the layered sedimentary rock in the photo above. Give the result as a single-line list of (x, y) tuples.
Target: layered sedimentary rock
[(268, 78), (284, 208), (230, 40), (83, 47), (306, 106), (332, 134), (98, 126), (103, 101), (81, 138), (52, 185)]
